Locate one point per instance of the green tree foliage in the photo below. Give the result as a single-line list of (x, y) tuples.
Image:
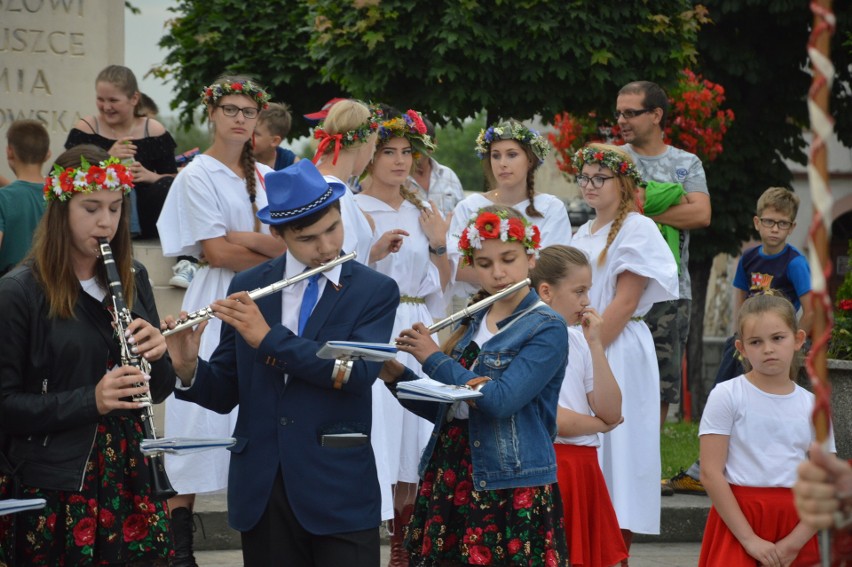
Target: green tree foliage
[(455, 150), (519, 58), (265, 39), (450, 58)]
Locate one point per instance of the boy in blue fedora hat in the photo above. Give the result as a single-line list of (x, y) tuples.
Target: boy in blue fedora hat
[(302, 482)]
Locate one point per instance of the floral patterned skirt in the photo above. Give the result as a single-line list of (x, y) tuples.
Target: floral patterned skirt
[(454, 524), (112, 520)]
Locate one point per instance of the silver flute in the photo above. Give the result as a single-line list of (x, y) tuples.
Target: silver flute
[(478, 306), (206, 313)]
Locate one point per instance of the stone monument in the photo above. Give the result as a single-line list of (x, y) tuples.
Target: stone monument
[(50, 53)]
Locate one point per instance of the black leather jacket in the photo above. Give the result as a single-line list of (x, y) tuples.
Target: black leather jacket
[(49, 368)]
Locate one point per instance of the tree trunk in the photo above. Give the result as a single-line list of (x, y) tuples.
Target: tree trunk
[(699, 270)]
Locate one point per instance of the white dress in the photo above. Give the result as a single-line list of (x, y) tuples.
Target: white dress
[(630, 454), (207, 200), (554, 226), (357, 234), (399, 436)]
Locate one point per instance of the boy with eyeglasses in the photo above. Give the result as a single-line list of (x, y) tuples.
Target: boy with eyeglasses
[(774, 264)]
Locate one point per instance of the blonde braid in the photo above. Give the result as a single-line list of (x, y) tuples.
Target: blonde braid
[(248, 165), (411, 197), (624, 208)]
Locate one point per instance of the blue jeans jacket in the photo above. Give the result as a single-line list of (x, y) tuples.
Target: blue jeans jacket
[(514, 422)]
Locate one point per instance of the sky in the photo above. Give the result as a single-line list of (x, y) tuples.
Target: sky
[(142, 32)]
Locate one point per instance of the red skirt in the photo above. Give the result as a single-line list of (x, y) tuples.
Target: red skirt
[(591, 526), (771, 514)]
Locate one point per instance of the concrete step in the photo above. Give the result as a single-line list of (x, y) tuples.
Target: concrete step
[(150, 253), (169, 300), (682, 520)]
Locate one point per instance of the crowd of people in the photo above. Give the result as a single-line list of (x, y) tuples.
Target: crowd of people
[(553, 459)]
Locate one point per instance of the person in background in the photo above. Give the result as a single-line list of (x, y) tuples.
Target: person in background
[(70, 428), (143, 144), (347, 142), (273, 126), (319, 115), (589, 404), (147, 107), (755, 431), (633, 268), (22, 201), (421, 270), (642, 108), (210, 214), (775, 265), (433, 181), (511, 153)]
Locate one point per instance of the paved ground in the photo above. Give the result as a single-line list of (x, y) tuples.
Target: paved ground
[(644, 555)]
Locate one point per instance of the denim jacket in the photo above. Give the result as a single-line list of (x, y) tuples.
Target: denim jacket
[(513, 424)]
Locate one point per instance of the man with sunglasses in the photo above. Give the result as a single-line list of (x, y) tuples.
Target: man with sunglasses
[(641, 111)]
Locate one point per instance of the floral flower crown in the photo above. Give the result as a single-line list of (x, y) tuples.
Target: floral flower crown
[(484, 225), (211, 95), (109, 175), (609, 159), (512, 131), (343, 139), (410, 126)]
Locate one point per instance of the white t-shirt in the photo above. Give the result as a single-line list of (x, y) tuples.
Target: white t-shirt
[(769, 433), (461, 410), (579, 381)]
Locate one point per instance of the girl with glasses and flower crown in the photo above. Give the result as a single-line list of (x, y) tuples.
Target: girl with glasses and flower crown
[(421, 270), (69, 428), (511, 153), (488, 492), (632, 268), (210, 214)]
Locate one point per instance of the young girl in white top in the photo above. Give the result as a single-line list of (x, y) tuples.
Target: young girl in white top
[(210, 214), (754, 432), (632, 268), (421, 270), (510, 153), (589, 403)]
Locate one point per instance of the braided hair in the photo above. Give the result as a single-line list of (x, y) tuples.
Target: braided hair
[(248, 165), (627, 201)]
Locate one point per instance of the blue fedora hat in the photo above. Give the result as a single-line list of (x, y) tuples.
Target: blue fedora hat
[(297, 191)]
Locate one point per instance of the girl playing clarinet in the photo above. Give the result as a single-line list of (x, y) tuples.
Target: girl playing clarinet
[(70, 427), (488, 492)]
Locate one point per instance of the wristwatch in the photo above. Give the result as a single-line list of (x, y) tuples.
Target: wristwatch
[(439, 251)]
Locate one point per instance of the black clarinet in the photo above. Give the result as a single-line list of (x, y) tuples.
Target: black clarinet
[(160, 485)]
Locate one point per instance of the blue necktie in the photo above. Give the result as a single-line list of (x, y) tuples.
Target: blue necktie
[(309, 299)]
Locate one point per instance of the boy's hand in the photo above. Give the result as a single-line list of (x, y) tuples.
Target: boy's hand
[(183, 347), (242, 313)]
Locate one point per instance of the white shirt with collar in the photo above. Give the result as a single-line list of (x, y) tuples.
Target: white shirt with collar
[(445, 189), (291, 298)]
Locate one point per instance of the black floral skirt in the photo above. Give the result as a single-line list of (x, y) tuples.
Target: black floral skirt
[(112, 520), (453, 524)]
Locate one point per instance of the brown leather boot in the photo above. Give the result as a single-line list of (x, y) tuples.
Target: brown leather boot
[(398, 554)]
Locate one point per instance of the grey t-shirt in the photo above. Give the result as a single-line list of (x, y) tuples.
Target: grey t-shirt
[(675, 166)]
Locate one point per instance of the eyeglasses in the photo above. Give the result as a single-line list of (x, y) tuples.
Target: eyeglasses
[(782, 224), (629, 113), (231, 110), (597, 180)]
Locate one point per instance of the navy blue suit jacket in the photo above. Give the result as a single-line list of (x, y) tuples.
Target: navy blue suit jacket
[(331, 490)]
